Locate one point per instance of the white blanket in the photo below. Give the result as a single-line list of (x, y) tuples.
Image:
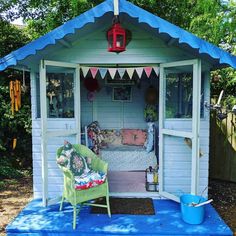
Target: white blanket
[(124, 160)]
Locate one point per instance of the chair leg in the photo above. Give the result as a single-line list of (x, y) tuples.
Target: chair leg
[(74, 217), (62, 200), (108, 206)]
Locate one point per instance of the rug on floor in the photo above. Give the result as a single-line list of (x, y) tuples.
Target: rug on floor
[(129, 206)]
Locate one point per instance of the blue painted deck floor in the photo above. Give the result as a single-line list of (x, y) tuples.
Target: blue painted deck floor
[(37, 220)]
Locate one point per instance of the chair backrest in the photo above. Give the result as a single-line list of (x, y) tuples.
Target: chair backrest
[(97, 163)]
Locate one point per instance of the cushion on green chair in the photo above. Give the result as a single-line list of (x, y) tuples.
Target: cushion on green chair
[(78, 164), (91, 179), (81, 167)]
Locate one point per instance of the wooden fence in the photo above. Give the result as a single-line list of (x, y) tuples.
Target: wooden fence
[(223, 148)]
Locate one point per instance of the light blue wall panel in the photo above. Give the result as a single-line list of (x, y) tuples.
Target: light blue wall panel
[(114, 114)]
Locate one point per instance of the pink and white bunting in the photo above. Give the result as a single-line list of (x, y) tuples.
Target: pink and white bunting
[(103, 72), (94, 71), (148, 71), (112, 72), (121, 71), (139, 71), (85, 70), (156, 70), (130, 72)]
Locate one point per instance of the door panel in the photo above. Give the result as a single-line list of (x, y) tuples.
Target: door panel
[(59, 100), (179, 117)]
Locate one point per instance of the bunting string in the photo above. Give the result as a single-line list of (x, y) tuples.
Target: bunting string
[(120, 71)]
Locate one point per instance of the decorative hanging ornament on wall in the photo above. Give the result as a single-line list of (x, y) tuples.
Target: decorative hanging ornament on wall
[(116, 35)]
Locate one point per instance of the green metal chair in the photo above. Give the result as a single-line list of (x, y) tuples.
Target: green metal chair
[(80, 197)]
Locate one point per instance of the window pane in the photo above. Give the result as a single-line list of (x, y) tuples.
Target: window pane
[(179, 83), (119, 40), (60, 95)]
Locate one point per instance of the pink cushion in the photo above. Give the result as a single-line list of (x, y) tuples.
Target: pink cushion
[(133, 137)]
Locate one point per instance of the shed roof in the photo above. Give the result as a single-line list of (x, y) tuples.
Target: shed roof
[(217, 57)]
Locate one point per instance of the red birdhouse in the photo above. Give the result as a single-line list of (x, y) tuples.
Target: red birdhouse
[(116, 37)]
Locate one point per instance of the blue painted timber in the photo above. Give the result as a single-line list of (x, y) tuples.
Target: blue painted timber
[(37, 220)]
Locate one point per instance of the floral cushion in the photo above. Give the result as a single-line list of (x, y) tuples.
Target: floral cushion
[(111, 138), (78, 165), (95, 137), (89, 180), (71, 159)]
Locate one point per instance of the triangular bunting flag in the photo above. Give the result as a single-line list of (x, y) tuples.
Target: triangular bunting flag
[(85, 70), (156, 69), (148, 71), (94, 71), (112, 72), (130, 72), (121, 72), (139, 71), (103, 72)]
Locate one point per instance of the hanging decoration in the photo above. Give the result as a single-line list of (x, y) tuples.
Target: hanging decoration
[(103, 72), (151, 95), (85, 70), (15, 95), (139, 71), (121, 72), (91, 84), (116, 35), (156, 70), (14, 142), (91, 96), (24, 88), (112, 72), (130, 72), (148, 70), (94, 71)]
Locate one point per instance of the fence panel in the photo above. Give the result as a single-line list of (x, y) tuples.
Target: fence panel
[(223, 148)]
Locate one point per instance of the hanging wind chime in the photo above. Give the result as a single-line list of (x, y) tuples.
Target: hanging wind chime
[(15, 94)]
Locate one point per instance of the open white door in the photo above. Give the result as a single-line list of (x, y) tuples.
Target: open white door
[(59, 79), (179, 122)]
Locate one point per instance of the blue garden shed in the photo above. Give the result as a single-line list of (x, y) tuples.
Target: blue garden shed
[(76, 81)]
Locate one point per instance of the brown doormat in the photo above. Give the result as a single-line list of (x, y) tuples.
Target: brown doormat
[(129, 206)]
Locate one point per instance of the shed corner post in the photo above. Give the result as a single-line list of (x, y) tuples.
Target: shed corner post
[(43, 110)]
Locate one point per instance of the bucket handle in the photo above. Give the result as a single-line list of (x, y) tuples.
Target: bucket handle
[(204, 203)]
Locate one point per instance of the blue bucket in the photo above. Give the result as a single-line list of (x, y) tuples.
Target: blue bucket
[(191, 214)]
